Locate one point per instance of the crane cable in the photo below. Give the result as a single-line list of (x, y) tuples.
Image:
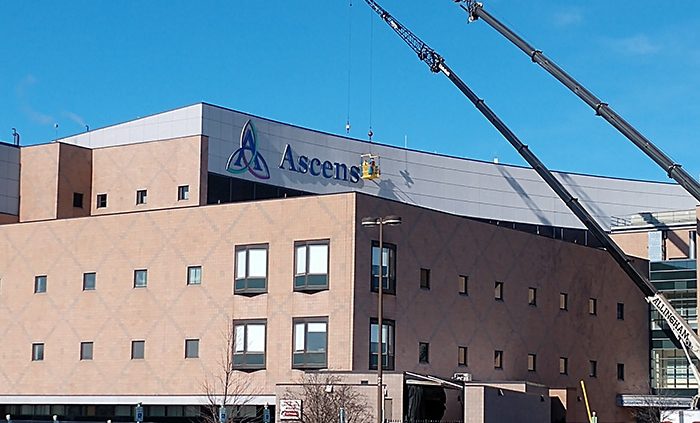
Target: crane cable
[(371, 55), (347, 121)]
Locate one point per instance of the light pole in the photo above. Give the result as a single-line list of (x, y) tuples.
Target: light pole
[(371, 222)]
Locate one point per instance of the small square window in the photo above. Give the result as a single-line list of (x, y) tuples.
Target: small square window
[(194, 275), (101, 201), (532, 362), (89, 281), (138, 349), (191, 348), (37, 352), (563, 301), (620, 311), (592, 306), (498, 292), (563, 366), (78, 200), (425, 278), (532, 296), (498, 359), (86, 350), (141, 196), (461, 356), (593, 368), (423, 352), (620, 371), (183, 192), (140, 278), (39, 284), (463, 282)]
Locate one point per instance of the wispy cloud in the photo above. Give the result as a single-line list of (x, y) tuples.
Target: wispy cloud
[(567, 18), (636, 45), (22, 88), (75, 118)]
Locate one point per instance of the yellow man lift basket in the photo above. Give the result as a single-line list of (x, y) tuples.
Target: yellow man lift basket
[(370, 166)]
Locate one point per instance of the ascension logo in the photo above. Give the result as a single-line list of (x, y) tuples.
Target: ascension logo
[(247, 157)]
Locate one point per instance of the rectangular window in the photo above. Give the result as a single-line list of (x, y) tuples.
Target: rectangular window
[(138, 350), (86, 350), (78, 200), (563, 301), (249, 344), (89, 281), (498, 292), (141, 196), (463, 283), (37, 352), (310, 343), (387, 344), (388, 267), (532, 296), (593, 368), (423, 352), (461, 356), (251, 269), (101, 201), (191, 348), (563, 366), (532, 362), (183, 192), (140, 278), (425, 278), (498, 359), (692, 247), (194, 275), (592, 306), (620, 311), (620, 371), (39, 284), (311, 265)]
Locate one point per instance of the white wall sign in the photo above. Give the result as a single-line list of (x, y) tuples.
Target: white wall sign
[(290, 409)]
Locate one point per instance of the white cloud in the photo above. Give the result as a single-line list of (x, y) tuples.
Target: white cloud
[(568, 18), (22, 87), (638, 45)]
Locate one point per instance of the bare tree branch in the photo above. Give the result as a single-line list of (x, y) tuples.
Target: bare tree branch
[(323, 395)]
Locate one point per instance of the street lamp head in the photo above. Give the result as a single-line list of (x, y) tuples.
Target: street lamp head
[(370, 221), (392, 220)]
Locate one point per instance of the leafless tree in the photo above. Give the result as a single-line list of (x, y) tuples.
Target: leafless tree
[(324, 394), (652, 410)]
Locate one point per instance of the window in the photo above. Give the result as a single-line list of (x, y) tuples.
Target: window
[(37, 352), (141, 196), (593, 368), (461, 356), (310, 265), (532, 296), (620, 371), (498, 359), (138, 350), (463, 282), (89, 281), (251, 269), (563, 366), (387, 344), (423, 352), (498, 292), (194, 275), (249, 345), (183, 192), (620, 311), (140, 278), (101, 201), (191, 348), (532, 362), (425, 278), (39, 284), (388, 267), (592, 306), (86, 350), (310, 343), (78, 200), (563, 301), (692, 247)]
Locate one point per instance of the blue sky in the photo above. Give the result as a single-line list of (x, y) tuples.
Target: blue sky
[(103, 62)]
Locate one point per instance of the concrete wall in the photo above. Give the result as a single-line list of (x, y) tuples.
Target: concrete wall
[(39, 182), (636, 243), (74, 176), (486, 404)]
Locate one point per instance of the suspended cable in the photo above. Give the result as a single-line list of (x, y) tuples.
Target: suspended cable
[(347, 121), (371, 56)]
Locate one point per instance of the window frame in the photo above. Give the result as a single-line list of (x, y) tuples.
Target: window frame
[(498, 291), (245, 365), (195, 341), (593, 368), (141, 342), (305, 286), (78, 200), (390, 287), (183, 192), (498, 359), (462, 356), (189, 274), (87, 349), (463, 285), (38, 350), (101, 201), (141, 196), (563, 365), (532, 296), (425, 278), (620, 311), (41, 288), (531, 362), (94, 281), (246, 289), (621, 371), (390, 362), (145, 272), (565, 305), (593, 306), (423, 352), (305, 352)]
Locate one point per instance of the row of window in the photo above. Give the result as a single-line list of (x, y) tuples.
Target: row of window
[(183, 193), (138, 350)]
